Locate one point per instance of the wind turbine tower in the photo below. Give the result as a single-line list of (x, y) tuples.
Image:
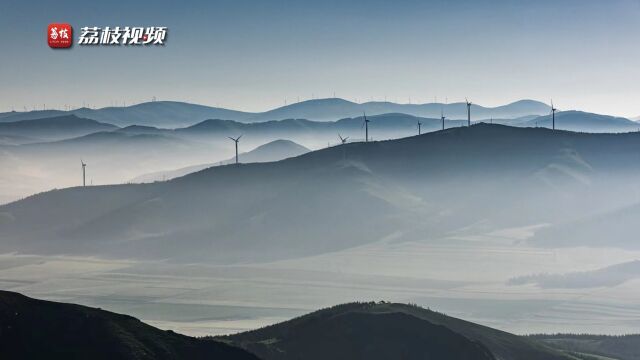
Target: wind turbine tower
[(553, 116), (419, 127), (365, 123), (236, 140), (84, 173), (442, 118), (468, 111)]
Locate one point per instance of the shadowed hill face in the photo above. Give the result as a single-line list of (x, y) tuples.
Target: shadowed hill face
[(380, 330), (423, 186), (36, 329)]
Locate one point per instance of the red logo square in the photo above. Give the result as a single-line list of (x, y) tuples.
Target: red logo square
[(59, 35)]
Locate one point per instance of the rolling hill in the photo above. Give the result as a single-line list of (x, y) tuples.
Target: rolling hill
[(37, 329), (382, 126), (447, 180), (386, 331), (585, 122), (334, 108), (168, 114), (272, 151)]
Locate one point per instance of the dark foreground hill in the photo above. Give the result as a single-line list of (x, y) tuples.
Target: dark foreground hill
[(37, 329), (386, 331)]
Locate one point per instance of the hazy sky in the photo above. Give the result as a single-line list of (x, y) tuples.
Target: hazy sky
[(252, 55)]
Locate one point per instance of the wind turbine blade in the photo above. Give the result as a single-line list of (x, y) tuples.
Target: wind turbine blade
[(238, 139)]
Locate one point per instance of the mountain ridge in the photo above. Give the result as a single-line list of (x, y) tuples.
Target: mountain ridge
[(174, 114)]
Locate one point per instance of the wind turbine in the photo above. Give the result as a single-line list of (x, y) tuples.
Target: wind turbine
[(236, 140), (84, 183), (468, 111), (553, 116), (365, 124), (419, 129), (442, 118), (343, 140)]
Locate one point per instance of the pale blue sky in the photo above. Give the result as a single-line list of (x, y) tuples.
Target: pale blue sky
[(252, 55)]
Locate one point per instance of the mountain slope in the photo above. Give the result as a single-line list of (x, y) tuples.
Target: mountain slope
[(272, 151), (585, 122), (37, 329), (422, 186), (384, 331), (625, 347), (606, 228)]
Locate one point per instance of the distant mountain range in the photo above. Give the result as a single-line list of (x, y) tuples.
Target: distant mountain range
[(383, 126), (235, 213), (37, 329), (272, 151), (53, 128), (160, 113), (171, 114)]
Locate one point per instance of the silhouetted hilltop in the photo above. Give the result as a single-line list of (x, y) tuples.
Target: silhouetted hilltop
[(386, 331), (37, 329)]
